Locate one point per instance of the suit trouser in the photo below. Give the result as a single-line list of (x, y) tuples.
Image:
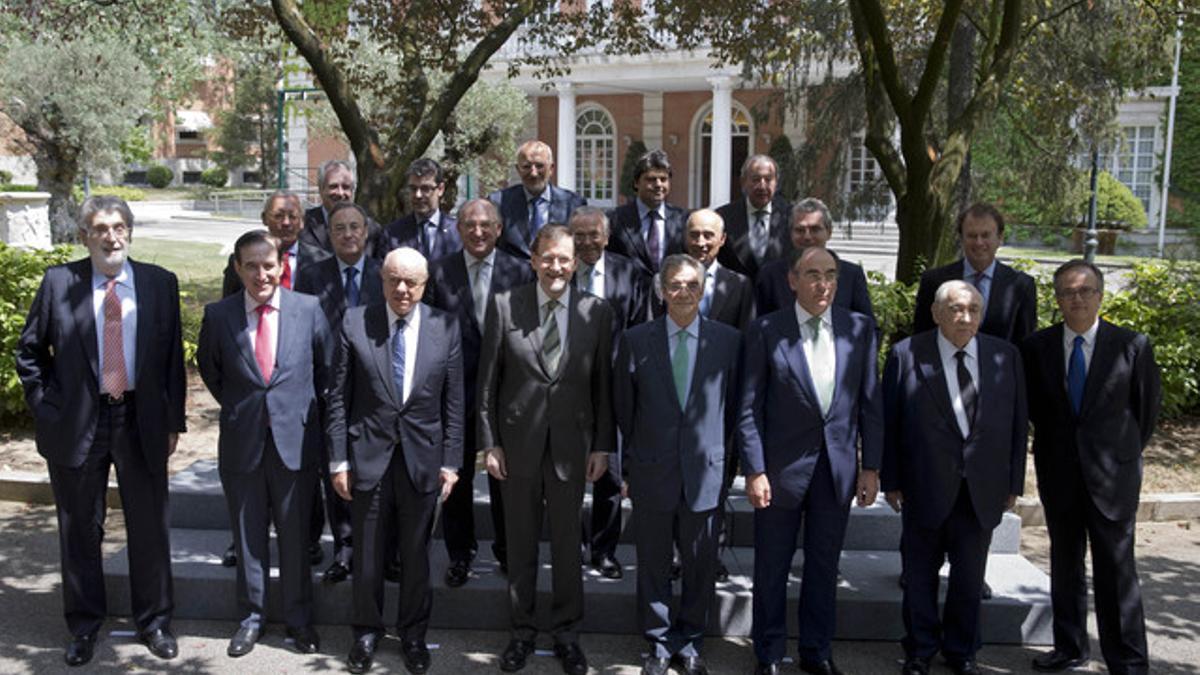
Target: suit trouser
[(1072, 519), (526, 500), (696, 539), (962, 540), (336, 511), (604, 530), (394, 505), (458, 513), (79, 494), (272, 493), (775, 530)]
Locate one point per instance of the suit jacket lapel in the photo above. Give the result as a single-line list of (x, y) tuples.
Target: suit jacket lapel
[(793, 351), (720, 293), (1103, 353), (528, 317), (236, 323), (843, 343), (379, 336), (85, 317), (660, 353), (285, 341), (929, 367), (1057, 370), (143, 289), (992, 314), (633, 233)]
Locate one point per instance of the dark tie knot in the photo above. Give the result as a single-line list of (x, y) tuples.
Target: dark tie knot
[(961, 355), (351, 272), (1079, 341)]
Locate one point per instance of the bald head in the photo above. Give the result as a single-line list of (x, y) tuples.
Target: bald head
[(958, 311), (404, 275), (705, 235)]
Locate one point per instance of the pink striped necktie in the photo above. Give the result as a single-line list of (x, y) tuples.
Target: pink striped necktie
[(114, 381), (262, 343)]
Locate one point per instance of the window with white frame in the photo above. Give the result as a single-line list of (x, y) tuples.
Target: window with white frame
[(596, 157), (1133, 162), (862, 169)]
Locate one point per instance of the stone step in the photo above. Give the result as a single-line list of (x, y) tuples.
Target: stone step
[(197, 502), (868, 595)]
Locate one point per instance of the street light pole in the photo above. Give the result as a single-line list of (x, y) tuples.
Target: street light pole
[(1091, 241)]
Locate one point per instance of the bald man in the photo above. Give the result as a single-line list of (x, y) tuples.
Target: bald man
[(534, 203), (728, 295)]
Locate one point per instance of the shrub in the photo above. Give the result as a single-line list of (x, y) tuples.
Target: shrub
[(893, 303), (214, 177), (129, 194), (635, 150), (5, 176), (9, 187), (159, 176), (1115, 203)]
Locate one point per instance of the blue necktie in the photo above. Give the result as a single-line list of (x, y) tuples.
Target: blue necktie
[(535, 218), (398, 358), (351, 287), (1076, 375)]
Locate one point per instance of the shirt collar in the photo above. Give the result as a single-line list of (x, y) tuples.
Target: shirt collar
[(598, 268), (123, 278), (414, 318), (1089, 335), (692, 329), (750, 209), (643, 210), (969, 272), (711, 271), (252, 305), (542, 298), (530, 196), (435, 218), (947, 350), (294, 249), (489, 259), (358, 265), (802, 315)]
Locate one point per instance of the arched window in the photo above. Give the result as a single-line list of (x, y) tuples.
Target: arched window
[(596, 156)]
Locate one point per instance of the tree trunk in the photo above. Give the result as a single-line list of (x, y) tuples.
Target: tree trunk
[(959, 89), (57, 168)]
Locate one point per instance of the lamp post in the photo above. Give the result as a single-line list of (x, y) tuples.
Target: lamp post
[(282, 92), (1091, 241)]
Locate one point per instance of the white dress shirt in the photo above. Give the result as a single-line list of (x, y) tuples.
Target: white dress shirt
[(127, 294), (1089, 346), (822, 361), (985, 284), (597, 274), (947, 351), (411, 330), (693, 344), (560, 312)]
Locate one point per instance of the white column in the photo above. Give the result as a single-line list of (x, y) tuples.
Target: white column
[(722, 140), (564, 164)]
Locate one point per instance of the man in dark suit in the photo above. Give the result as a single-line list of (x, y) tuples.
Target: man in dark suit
[(811, 225), (757, 224), (349, 279), (674, 388), (264, 354), (545, 422), (535, 203), (463, 284), (101, 361), (626, 287), (336, 183), (648, 228), (810, 396), (728, 295), (395, 432), (426, 228), (1094, 396), (955, 427), (1009, 296)]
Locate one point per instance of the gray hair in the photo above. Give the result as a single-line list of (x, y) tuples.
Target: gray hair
[(670, 265), (942, 296), (1079, 264), (327, 167), (282, 194), (584, 212), (811, 205), (104, 204), (493, 213), (755, 159)]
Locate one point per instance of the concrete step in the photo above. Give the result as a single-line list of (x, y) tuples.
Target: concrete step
[(868, 595), (197, 502)]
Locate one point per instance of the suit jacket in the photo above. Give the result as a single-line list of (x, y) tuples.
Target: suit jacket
[(307, 254), (626, 234), (781, 429), (58, 363), (627, 290), (1011, 312), (249, 406), (514, 211), (406, 231), (736, 254), (526, 410), (673, 450), (367, 421), (771, 290), (324, 280), (449, 289), (316, 234), (1121, 400), (732, 300), (925, 455)]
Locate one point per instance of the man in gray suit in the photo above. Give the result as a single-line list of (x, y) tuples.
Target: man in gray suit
[(545, 423), (264, 354), (674, 387)]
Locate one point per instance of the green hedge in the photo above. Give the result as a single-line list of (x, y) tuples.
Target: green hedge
[(23, 271), (159, 176), (215, 177)]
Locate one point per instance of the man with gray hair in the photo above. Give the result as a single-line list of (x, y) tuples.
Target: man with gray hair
[(756, 224), (283, 217), (336, 183), (101, 361)]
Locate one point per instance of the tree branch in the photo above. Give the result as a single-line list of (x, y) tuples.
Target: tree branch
[(1051, 17), (936, 58), (875, 47)]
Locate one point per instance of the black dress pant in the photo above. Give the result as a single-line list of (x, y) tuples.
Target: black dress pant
[(79, 494), (604, 530), (458, 513)]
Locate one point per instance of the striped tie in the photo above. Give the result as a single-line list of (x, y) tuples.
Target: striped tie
[(551, 344)]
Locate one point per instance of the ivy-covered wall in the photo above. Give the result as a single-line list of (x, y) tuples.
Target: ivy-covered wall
[(1185, 156)]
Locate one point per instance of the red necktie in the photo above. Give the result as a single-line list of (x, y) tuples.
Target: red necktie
[(285, 279), (262, 343), (113, 378)]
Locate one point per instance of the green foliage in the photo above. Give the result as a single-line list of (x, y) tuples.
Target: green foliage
[(129, 194), (893, 303), (635, 150), (785, 158), (10, 187), (23, 271), (138, 146), (5, 176), (247, 132), (1115, 203), (215, 177), (159, 176), (1185, 154)]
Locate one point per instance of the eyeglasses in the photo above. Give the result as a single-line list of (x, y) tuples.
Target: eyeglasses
[(1085, 293), (681, 286)]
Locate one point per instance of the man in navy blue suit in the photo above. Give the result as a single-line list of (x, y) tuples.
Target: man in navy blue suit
[(535, 202), (955, 428), (426, 228), (337, 183), (646, 229), (395, 433), (810, 397), (101, 361), (675, 394)]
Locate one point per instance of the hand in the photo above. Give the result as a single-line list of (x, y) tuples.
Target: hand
[(895, 499), (597, 465), (624, 489), (759, 490), (449, 478), (172, 443), (1012, 501), (341, 484), (868, 487), (494, 459)]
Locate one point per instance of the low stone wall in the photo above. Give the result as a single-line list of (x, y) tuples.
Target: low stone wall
[(25, 219)]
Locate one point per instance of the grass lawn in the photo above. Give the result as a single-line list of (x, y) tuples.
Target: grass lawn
[(1011, 252)]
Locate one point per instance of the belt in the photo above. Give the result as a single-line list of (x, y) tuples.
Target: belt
[(120, 399)]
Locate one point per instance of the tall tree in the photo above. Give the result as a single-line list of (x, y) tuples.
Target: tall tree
[(247, 133)]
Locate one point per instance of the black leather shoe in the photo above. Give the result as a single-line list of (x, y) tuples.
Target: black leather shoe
[(458, 573), (1056, 662), (337, 572), (656, 665), (967, 667), (768, 668), (80, 650), (391, 572), (915, 665), (722, 572), (515, 654), (230, 557), (693, 665), (608, 567), (986, 593), (416, 656), (305, 639), (315, 553), (242, 642), (826, 667), (160, 642), (572, 658), (362, 654)]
